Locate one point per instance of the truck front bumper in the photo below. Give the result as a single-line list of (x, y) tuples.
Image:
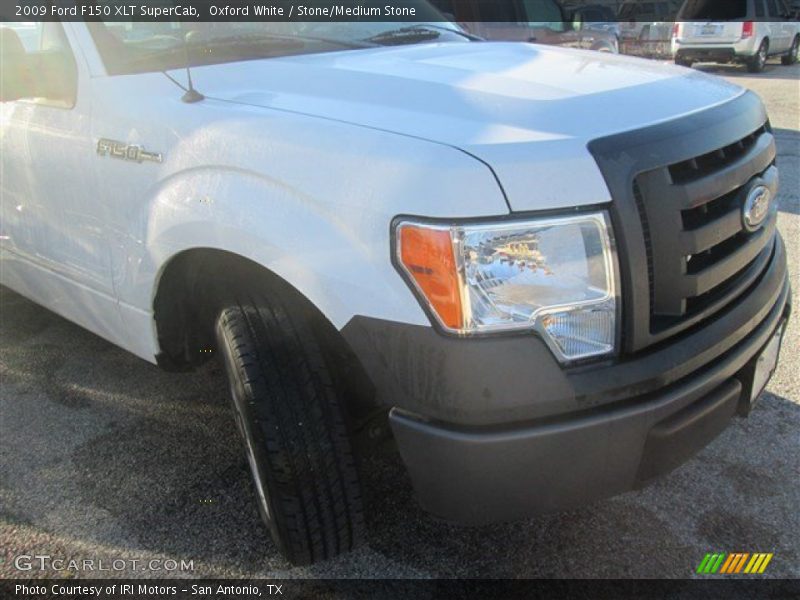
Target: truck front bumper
[(478, 425)]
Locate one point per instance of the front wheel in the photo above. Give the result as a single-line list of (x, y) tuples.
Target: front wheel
[(791, 57), (682, 62), (757, 63), (291, 420)]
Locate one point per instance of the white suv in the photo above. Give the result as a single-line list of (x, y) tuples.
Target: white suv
[(747, 31)]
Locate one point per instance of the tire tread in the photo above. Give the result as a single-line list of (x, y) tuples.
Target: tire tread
[(294, 408)]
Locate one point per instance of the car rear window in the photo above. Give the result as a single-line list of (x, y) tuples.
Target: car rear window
[(713, 10)]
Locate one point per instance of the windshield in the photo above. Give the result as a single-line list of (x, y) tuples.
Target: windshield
[(134, 47)]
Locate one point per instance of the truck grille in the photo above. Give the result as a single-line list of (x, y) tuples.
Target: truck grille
[(678, 190), (699, 255)]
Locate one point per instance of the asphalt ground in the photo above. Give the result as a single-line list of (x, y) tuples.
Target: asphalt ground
[(105, 457)]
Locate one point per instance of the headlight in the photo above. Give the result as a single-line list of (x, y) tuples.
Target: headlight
[(556, 276)]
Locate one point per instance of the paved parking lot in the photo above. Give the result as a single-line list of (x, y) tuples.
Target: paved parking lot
[(103, 456)]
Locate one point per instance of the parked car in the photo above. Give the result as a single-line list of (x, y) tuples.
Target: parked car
[(539, 21), (744, 31), (600, 14), (654, 41), (554, 275), (598, 17), (636, 15)]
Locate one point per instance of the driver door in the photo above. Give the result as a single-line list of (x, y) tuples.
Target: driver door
[(53, 232)]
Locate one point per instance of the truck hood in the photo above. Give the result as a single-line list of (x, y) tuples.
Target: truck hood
[(527, 111)]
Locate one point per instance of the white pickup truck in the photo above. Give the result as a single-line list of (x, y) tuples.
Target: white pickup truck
[(554, 273)]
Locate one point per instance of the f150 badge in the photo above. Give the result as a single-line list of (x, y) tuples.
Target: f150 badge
[(129, 152)]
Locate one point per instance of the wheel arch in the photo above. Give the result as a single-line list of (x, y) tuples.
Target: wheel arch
[(194, 286), (336, 255), (189, 287)]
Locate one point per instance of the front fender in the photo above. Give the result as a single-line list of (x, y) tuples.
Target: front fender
[(331, 257), (326, 231)]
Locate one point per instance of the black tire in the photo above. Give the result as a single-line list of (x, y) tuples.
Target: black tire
[(290, 417), (682, 62), (759, 60), (791, 57)]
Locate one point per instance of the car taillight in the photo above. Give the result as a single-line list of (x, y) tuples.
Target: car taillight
[(747, 29), (676, 29)]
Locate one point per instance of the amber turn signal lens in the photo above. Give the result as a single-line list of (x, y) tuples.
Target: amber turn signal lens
[(427, 255)]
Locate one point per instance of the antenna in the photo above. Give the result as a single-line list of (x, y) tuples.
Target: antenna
[(192, 95)]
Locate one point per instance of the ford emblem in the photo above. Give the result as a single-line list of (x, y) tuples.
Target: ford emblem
[(756, 207)]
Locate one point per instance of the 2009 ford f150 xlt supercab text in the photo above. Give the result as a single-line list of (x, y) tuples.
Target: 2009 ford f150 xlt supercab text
[(556, 271)]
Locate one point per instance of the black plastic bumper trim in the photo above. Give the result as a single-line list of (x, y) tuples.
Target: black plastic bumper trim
[(674, 440), (484, 475)]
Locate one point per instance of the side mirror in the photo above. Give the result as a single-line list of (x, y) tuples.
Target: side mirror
[(17, 81)]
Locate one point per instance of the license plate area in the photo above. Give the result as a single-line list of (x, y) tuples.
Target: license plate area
[(758, 372), (708, 29)]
